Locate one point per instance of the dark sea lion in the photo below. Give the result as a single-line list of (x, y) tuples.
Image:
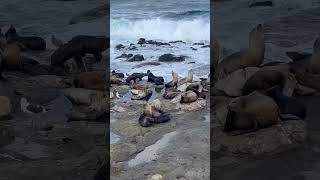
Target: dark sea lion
[(151, 115), (137, 85), (252, 112), (170, 93), (90, 80), (119, 75), (287, 105), (141, 94), (158, 80), (29, 42), (115, 80), (263, 80), (77, 47), (251, 57), (134, 76), (306, 78)]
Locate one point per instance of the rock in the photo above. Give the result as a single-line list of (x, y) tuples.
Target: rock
[(261, 3), (198, 44), (122, 152), (120, 46), (219, 116), (171, 58), (49, 81), (124, 55), (6, 135), (205, 46), (5, 107), (232, 84), (179, 41), (304, 90), (135, 58), (146, 64), (83, 113), (81, 96), (275, 139)]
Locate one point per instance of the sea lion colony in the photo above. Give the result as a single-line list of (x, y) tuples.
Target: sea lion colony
[(184, 93), (263, 94)]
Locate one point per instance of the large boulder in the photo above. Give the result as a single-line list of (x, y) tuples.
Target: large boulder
[(171, 58)]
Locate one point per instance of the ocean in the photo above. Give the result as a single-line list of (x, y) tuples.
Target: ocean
[(164, 21)]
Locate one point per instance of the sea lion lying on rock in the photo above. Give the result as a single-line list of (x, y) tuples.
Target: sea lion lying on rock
[(29, 42), (134, 76), (251, 57), (287, 105), (152, 115), (90, 80), (77, 47), (251, 112), (157, 80), (189, 97), (174, 82), (141, 94), (170, 93)]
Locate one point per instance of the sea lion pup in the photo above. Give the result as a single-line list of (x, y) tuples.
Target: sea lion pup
[(189, 97), (29, 42), (141, 94), (174, 81), (151, 115), (287, 105), (90, 80), (251, 57), (56, 42), (263, 80), (77, 47), (252, 112)]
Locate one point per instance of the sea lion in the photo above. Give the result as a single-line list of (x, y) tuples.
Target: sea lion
[(251, 57), (12, 57), (119, 75), (90, 80), (190, 76), (136, 85), (251, 112), (29, 42), (134, 76), (174, 82), (306, 78), (56, 42), (141, 94), (77, 47), (189, 97), (263, 80), (115, 80), (157, 80), (152, 115), (170, 93), (287, 105)]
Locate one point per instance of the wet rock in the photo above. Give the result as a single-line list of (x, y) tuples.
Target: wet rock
[(198, 44), (136, 58), (261, 3), (171, 58), (120, 46), (232, 84), (83, 96), (205, 46), (5, 107), (275, 139), (179, 41), (98, 12), (6, 135), (124, 55), (147, 64)]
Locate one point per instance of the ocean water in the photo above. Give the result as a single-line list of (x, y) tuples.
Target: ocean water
[(164, 21)]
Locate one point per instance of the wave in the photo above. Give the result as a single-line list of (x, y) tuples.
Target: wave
[(161, 29)]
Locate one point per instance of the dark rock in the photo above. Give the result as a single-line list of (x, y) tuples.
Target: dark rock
[(98, 12), (194, 49), (144, 41), (171, 58), (205, 46), (262, 3), (6, 135), (198, 44), (147, 64), (135, 58), (179, 41), (120, 46), (124, 56)]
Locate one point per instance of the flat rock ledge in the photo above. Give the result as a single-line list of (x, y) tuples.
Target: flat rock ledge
[(272, 140)]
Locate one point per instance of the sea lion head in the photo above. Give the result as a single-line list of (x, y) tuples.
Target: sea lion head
[(175, 77), (257, 37), (147, 109)]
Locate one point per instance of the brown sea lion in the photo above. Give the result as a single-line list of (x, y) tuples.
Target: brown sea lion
[(189, 97), (252, 112), (90, 80), (12, 57), (136, 85), (152, 115), (141, 94), (190, 76), (174, 81), (251, 57), (306, 78), (263, 80), (170, 93)]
